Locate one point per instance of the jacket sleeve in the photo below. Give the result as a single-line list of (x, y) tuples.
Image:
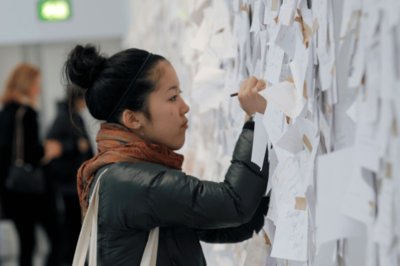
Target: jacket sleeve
[(236, 234), (162, 197), (33, 150)]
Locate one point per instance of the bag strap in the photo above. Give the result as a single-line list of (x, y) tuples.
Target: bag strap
[(84, 236), (149, 257), (89, 231), (18, 141)]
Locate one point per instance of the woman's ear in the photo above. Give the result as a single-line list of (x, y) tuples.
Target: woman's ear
[(130, 119)]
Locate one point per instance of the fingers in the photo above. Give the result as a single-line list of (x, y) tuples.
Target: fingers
[(243, 91), (261, 85), (247, 85), (248, 94), (251, 82)]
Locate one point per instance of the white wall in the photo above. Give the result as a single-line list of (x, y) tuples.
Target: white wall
[(49, 58), (90, 19), (25, 38)]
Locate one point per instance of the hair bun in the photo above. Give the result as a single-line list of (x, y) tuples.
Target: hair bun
[(83, 65)]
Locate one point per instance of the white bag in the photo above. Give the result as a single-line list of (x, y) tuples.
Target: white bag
[(90, 224)]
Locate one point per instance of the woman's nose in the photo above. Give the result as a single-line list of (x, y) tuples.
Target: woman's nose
[(185, 108)]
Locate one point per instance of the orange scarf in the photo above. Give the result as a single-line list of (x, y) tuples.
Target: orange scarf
[(115, 144)]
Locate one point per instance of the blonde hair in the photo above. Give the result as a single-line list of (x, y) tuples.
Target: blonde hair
[(20, 83)]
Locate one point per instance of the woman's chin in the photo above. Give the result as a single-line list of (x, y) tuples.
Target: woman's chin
[(176, 146)]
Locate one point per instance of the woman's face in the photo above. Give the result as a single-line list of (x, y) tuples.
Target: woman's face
[(35, 89), (167, 109)]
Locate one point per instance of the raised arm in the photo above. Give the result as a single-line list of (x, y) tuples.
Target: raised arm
[(156, 196), (239, 233)]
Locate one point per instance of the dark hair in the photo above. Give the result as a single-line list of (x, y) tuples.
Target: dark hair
[(106, 79)]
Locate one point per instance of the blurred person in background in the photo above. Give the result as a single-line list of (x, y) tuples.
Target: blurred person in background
[(25, 209), (68, 130)]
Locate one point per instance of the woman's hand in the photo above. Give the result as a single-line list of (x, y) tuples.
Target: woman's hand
[(52, 149), (83, 145), (250, 100)]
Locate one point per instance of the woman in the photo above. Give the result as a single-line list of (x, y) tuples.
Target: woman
[(23, 89), (138, 96), (69, 131)]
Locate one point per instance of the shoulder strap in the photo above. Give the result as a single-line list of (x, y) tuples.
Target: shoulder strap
[(18, 140), (89, 227), (150, 252), (89, 231)]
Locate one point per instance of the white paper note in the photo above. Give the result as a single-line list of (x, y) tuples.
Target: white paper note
[(383, 231), (333, 177), (299, 66), (273, 122), (287, 181), (273, 163), (291, 140), (204, 32), (359, 200), (260, 142), (256, 21), (365, 152), (284, 96), (274, 64), (344, 127), (286, 39), (289, 12), (291, 234)]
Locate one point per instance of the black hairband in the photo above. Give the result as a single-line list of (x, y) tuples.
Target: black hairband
[(130, 85)]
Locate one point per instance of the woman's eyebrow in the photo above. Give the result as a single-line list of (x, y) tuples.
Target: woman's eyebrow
[(172, 88)]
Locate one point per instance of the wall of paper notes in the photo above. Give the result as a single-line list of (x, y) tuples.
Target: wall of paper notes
[(331, 125)]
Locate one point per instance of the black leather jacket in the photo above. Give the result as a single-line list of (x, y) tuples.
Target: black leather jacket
[(135, 198)]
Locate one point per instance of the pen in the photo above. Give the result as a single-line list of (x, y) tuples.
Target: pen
[(236, 94)]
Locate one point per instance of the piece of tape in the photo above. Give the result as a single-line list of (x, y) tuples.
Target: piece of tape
[(307, 142), (315, 27), (394, 128), (244, 8), (301, 204), (305, 91), (388, 170), (305, 29), (267, 241), (349, 23), (289, 80), (372, 205), (274, 5), (333, 69)]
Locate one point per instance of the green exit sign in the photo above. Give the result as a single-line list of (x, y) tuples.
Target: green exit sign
[(54, 10)]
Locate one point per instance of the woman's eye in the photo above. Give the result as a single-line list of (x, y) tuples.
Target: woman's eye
[(174, 98)]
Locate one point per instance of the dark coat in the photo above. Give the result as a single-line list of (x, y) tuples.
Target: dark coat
[(33, 150), (63, 171), (137, 197), (16, 204)]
